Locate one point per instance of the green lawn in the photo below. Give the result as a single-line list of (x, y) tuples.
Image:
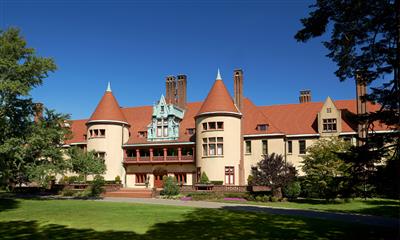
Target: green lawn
[(378, 207), (78, 219)]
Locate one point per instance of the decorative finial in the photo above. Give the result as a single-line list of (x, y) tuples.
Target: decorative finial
[(218, 75), (108, 87)]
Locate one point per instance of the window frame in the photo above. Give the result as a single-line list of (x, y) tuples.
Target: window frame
[(303, 150), (229, 176), (248, 149)]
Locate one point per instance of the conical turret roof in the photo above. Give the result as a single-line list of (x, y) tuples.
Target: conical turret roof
[(108, 109), (218, 100)]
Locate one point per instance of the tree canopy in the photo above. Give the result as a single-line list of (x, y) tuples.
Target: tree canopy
[(27, 147), (364, 43), (85, 163)]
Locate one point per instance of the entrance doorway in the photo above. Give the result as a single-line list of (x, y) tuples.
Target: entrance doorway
[(158, 181)]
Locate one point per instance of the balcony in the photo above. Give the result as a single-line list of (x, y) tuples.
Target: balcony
[(159, 159)]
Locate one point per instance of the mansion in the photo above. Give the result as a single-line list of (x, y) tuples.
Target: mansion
[(222, 136)]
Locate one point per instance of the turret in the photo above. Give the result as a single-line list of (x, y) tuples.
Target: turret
[(107, 130), (218, 128)]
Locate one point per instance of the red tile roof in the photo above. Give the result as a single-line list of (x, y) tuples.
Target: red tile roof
[(218, 100), (78, 131), (301, 118), (287, 119), (108, 109)]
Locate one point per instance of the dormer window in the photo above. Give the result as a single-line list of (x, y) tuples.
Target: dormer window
[(162, 109), (190, 131), (329, 110), (142, 134), (262, 127)]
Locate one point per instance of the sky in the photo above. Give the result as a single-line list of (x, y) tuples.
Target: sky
[(136, 44)]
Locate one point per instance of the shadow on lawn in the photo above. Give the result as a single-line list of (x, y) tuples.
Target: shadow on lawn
[(208, 224), (8, 204)]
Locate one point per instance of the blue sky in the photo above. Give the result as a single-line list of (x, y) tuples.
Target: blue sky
[(136, 44)]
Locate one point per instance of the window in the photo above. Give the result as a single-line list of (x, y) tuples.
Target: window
[(205, 147), (329, 110), (213, 146), (220, 125), (102, 132), (96, 132), (265, 147), (290, 147), (101, 155), (229, 175), (248, 147), (181, 177), (302, 146), (204, 126), (262, 127), (211, 125), (159, 131), (141, 177), (162, 109), (220, 146), (165, 132), (329, 125)]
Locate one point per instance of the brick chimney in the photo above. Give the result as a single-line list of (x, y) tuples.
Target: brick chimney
[(305, 96), (238, 88), (170, 89), (38, 108), (181, 91), (361, 91)]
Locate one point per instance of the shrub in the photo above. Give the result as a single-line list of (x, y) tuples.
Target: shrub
[(273, 199), (292, 190), (76, 179), (171, 187), (118, 179), (235, 195), (219, 183), (259, 198), (204, 179), (64, 180), (97, 186), (198, 196)]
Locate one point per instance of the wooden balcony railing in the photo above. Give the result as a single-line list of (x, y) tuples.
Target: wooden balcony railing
[(159, 159)]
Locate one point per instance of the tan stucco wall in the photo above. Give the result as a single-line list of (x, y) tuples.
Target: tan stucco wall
[(111, 144), (275, 145), (214, 166)]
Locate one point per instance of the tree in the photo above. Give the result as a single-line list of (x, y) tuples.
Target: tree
[(204, 178), (24, 143), (364, 43), (85, 163), (326, 173), (273, 171)]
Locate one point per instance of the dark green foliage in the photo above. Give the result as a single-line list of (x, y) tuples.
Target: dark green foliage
[(326, 173), (292, 190), (273, 171), (85, 163), (387, 180), (204, 179), (364, 43), (171, 187), (198, 196), (97, 186), (219, 183), (118, 179), (29, 151)]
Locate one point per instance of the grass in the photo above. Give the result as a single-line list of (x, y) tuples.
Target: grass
[(377, 207), (78, 219)]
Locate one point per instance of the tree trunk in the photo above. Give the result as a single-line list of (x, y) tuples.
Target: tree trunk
[(277, 192)]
